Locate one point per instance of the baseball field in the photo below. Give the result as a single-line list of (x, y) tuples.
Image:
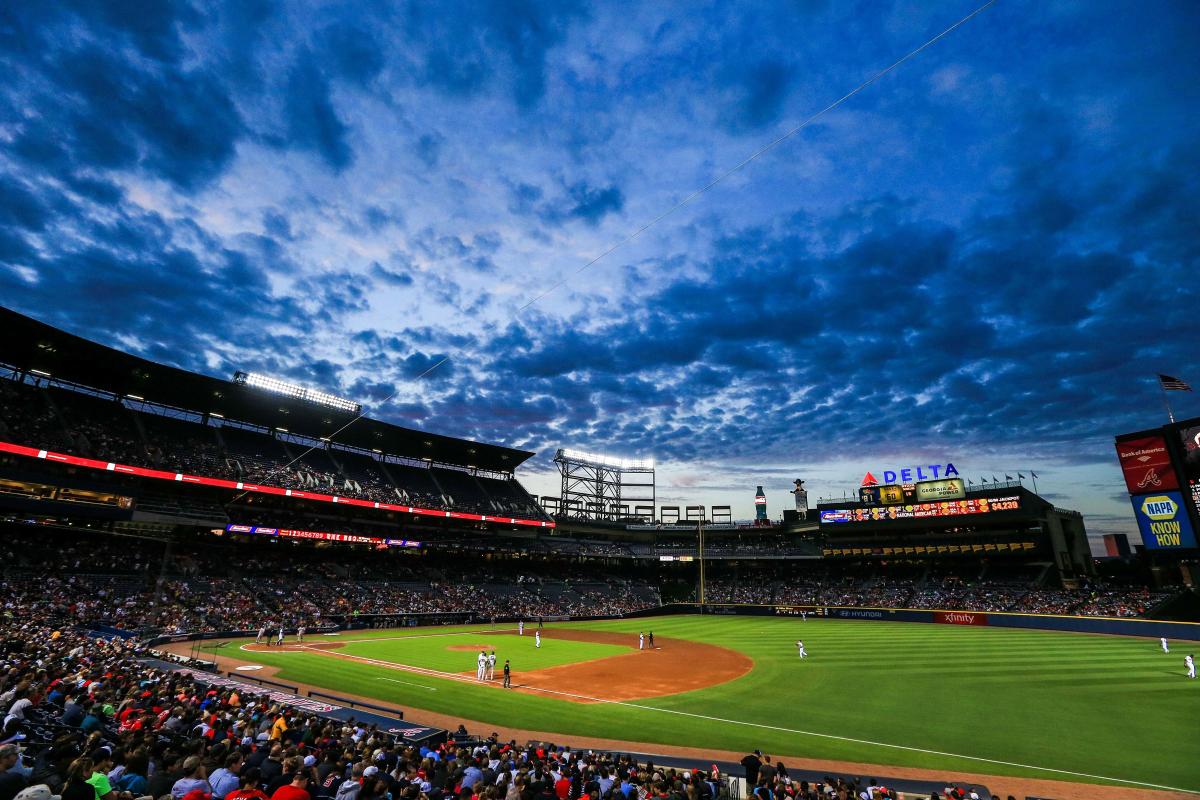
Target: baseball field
[(1066, 706)]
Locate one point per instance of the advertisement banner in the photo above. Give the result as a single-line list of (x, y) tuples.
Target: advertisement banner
[(1163, 521), (1146, 465), (960, 618), (891, 495), (949, 489)]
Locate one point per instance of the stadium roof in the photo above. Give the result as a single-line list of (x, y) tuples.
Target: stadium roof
[(31, 345)]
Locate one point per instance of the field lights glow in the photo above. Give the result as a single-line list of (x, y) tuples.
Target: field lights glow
[(607, 461), (299, 392)]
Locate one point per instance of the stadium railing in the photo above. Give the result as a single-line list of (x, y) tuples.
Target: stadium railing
[(352, 703)]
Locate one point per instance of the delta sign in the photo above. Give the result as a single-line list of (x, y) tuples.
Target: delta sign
[(926, 472), (1163, 521)]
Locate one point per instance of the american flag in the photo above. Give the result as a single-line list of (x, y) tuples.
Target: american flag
[(1170, 384)]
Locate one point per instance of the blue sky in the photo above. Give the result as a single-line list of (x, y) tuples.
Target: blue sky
[(983, 258)]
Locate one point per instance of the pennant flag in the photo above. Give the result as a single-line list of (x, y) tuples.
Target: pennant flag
[(1021, 475), (1170, 384), (970, 482), (983, 480), (1034, 474), (995, 479), (1007, 477)]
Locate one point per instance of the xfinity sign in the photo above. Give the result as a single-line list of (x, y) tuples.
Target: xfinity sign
[(927, 472)]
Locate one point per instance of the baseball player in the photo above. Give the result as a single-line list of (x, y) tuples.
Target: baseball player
[(641, 641), (1191, 665), (261, 633), (491, 666), (804, 616), (537, 639), (520, 627), (1163, 640), (280, 642), (800, 649), (480, 665), (507, 675), (300, 634)]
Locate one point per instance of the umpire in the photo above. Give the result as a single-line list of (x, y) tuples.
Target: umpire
[(507, 675)]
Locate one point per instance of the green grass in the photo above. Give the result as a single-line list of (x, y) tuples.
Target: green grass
[(1106, 706)]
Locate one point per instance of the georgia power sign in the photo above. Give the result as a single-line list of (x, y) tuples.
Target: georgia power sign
[(1163, 521)]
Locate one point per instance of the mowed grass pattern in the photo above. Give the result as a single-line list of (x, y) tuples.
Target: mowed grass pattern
[(1112, 707)]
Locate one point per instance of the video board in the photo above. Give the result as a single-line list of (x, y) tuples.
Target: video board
[(944, 508), (1191, 463), (896, 494)]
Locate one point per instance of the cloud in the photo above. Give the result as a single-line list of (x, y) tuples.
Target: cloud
[(311, 121)]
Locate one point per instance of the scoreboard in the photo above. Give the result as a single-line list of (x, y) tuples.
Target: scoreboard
[(916, 511)]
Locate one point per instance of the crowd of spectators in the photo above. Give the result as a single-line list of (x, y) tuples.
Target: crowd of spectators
[(947, 593), (110, 430)]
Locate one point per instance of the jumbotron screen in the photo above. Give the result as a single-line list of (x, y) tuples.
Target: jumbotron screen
[(1191, 463), (946, 508)]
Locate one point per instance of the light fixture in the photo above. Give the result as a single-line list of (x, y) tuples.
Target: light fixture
[(277, 386), (606, 461)]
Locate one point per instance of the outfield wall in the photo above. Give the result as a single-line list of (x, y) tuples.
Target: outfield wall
[(1114, 626)]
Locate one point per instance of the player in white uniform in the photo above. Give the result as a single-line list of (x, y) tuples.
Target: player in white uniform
[(641, 641), (280, 636), (491, 666), (520, 627), (1163, 639), (480, 665), (537, 638), (800, 649), (261, 633), (1191, 665), (300, 634)]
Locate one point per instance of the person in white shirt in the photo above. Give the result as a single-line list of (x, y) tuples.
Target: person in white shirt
[(800, 649), (537, 639), (300, 634), (1191, 665), (280, 636), (521, 627), (1163, 639), (641, 641), (261, 633), (491, 666), (480, 665)]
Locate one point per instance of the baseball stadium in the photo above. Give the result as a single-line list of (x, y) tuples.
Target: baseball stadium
[(971, 644), (577, 400)]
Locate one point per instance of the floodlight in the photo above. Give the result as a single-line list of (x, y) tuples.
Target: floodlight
[(277, 386), (607, 461)]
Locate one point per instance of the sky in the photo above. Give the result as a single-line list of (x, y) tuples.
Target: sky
[(984, 257)]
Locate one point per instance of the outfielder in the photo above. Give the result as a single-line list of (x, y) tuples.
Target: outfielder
[(1163, 639), (520, 627), (1191, 665), (800, 649), (537, 639)]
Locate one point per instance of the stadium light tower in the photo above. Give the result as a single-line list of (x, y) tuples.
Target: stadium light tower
[(601, 487), (276, 386)]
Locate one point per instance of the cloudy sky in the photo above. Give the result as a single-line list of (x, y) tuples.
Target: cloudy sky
[(985, 257)]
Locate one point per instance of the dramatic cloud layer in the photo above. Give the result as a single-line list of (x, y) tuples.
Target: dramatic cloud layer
[(986, 255)]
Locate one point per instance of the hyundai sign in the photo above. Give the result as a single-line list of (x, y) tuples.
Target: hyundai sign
[(1163, 521)]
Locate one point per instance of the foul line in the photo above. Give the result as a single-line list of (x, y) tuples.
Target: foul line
[(376, 639), (908, 748)]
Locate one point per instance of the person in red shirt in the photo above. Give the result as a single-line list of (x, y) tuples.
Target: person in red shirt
[(295, 790)]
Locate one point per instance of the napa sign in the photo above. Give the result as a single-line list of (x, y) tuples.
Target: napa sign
[(926, 472), (1163, 521)]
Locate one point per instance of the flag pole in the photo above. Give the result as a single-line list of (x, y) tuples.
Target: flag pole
[(1166, 402)]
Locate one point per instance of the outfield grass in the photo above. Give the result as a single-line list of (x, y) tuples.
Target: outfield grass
[(1112, 707)]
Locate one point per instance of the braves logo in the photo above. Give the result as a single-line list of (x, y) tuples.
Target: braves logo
[(1150, 479)]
